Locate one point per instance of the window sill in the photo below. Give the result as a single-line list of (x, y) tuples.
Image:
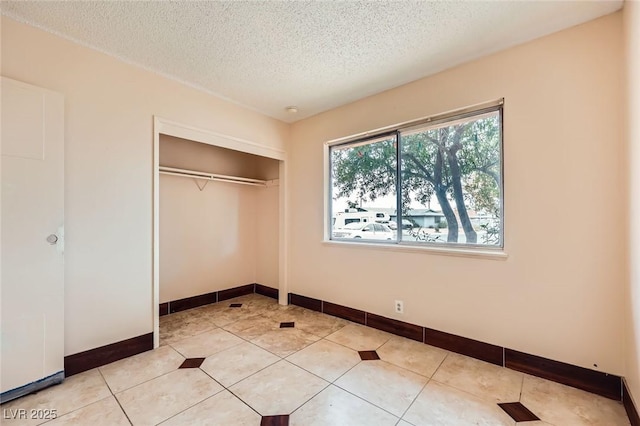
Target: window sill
[(497, 254)]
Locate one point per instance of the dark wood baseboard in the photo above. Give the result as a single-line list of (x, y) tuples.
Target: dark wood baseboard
[(271, 292), (305, 302), (192, 302), (465, 346), (597, 382), (462, 345), (83, 361), (214, 297), (629, 406), (399, 328), (603, 384), (230, 293), (345, 312), (163, 309)]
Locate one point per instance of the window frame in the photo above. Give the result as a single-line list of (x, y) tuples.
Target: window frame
[(396, 132)]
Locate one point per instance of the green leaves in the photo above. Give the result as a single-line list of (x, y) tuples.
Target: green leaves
[(366, 171), (460, 162)]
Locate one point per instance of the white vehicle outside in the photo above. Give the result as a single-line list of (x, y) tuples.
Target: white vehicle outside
[(365, 231), (342, 219)]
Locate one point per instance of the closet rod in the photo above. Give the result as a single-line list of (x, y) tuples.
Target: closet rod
[(211, 176)]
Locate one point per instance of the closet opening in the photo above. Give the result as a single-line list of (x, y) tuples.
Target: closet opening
[(218, 219)]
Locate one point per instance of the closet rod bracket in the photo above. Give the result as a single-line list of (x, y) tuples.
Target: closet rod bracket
[(201, 188)]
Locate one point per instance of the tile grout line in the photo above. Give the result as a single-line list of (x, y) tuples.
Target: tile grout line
[(254, 373), (358, 363), (414, 399), (329, 383), (492, 401), (115, 397), (280, 358), (75, 409), (191, 406), (212, 378), (446, 355), (242, 400), (521, 389), (311, 372), (310, 399), (105, 381), (348, 347), (327, 340), (368, 402), (189, 337), (321, 338), (148, 380), (166, 373)]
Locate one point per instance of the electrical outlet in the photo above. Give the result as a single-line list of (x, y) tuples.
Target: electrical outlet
[(399, 307)]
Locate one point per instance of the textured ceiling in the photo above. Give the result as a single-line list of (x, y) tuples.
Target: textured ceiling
[(315, 55)]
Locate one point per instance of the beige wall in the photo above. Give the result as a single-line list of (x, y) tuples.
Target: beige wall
[(560, 292), (185, 154), (109, 109), (207, 239), (267, 266), (558, 295), (220, 237), (631, 13)]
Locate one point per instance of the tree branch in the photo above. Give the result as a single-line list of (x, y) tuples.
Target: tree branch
[(420, 167)]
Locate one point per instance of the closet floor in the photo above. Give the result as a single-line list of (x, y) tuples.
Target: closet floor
[(265, 364)]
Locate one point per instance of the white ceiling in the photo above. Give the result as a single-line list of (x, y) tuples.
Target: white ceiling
[(316, 55)]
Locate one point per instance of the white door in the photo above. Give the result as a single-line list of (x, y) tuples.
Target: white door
[(32, 265)]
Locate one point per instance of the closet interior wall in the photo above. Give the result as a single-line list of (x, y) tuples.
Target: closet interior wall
[(222, 236)]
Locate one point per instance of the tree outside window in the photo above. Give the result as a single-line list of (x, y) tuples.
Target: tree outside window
[(450, 180)]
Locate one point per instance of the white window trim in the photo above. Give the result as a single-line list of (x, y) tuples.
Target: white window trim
[(476, 251), (497, 254)]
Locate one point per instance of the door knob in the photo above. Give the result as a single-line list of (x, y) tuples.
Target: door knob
[(52, 239)]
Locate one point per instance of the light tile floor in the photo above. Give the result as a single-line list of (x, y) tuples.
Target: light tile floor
[(249, 367)]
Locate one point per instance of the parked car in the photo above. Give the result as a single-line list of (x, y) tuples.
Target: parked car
[(365, 231), (406, 224)]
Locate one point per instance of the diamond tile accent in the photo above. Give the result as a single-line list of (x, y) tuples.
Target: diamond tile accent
[(287, 324), (192, 363), (518, 412), (235, 305), (368, 355), (279, 420)]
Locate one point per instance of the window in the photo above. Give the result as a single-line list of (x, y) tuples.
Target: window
[(433, 182)]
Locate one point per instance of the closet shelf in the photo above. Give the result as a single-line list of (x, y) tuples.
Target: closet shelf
[(215, 177)]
